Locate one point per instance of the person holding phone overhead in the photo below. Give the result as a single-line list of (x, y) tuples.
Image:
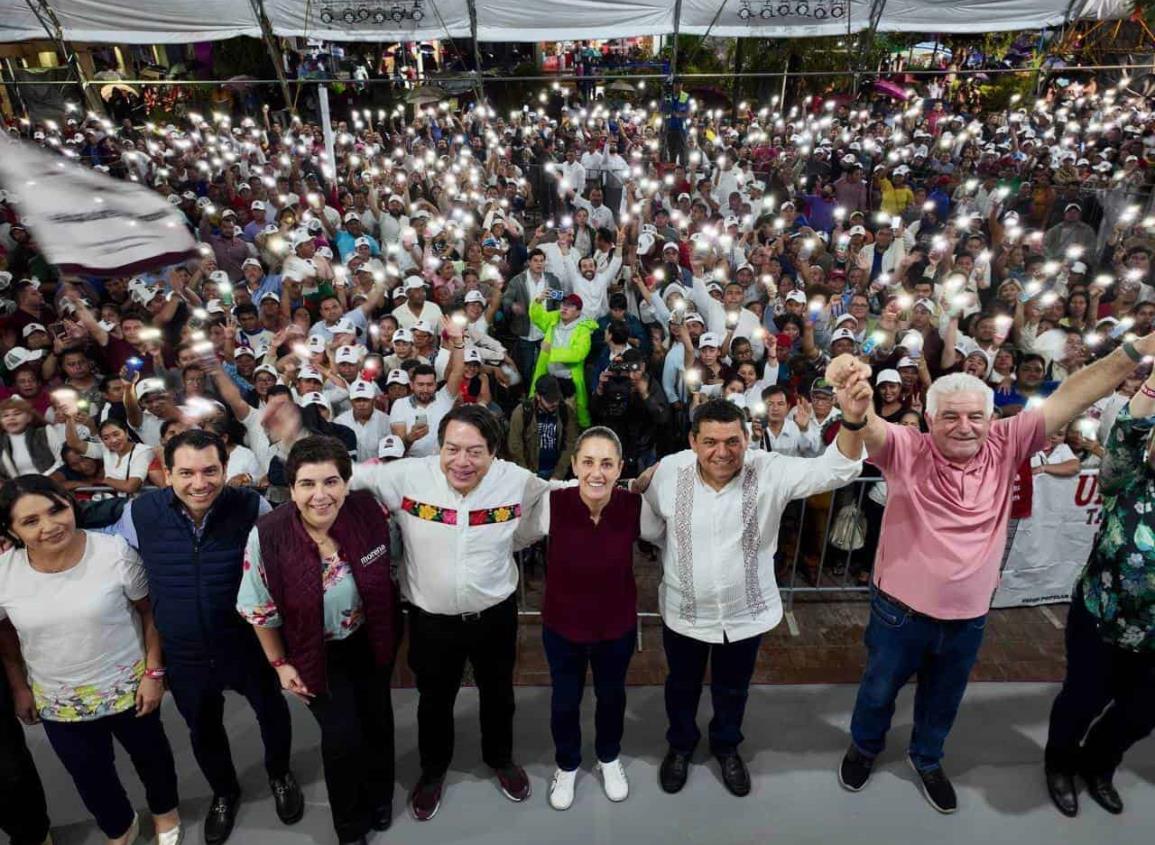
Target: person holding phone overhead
[(590, 612), (416, 417), (316, 586)]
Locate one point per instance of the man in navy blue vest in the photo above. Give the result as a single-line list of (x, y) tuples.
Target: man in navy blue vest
[(191, 537)]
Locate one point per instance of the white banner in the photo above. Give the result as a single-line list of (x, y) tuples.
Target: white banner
[(1051, 546), (88, 223)]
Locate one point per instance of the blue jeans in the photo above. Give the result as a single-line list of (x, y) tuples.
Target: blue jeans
[(525, 354), (901, 644), (731, 668), (609, 659)]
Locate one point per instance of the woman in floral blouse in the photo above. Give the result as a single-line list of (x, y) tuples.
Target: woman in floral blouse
[(318, 590), (1111, 624), (74, 614)]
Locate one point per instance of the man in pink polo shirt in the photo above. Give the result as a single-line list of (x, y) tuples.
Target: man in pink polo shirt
[(939, 555)]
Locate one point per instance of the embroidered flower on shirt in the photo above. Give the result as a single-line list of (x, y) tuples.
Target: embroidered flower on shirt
[(493, 516), (429, 513)]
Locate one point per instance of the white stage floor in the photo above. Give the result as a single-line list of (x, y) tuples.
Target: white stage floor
[(795, 737)]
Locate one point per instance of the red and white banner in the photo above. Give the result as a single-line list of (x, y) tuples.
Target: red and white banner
[(1049, 548)]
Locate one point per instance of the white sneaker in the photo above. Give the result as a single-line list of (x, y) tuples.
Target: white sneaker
[(614, 780), (171, 837), (561, 789)]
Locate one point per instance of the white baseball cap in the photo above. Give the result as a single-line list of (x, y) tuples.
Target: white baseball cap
[(414, 282), (694, 317), (149, 385), (317, 399), (907, 362), (472, 355), (352, 215), (32, 327), (267, 368), (18, 356), (710, 339), (390, 447), (362, 390), (796, 296), (252, 262), (474, 296), (843, 334), (344, 326), (422, 326), (397, 377), (349, 355), (403, 336), (316, 344), (273, 295), (888, 377), (244, 350), (309, 373)]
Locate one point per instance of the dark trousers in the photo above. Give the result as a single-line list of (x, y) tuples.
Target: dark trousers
[(676, 149), (1103, 682), (23, 811), (438, 648), (525, 357), (609, 660), (355, 714), (85, 749), (901, 644), (198, 691), (731, 667)]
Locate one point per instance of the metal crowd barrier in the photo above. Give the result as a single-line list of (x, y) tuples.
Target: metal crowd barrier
[(838, 573)]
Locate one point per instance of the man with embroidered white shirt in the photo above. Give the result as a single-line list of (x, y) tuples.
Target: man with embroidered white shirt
[(722, 504), (458, 512)]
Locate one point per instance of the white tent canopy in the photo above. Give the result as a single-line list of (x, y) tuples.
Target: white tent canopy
[(184, 21)]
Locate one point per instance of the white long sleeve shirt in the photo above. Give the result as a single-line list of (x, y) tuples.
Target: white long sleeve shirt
[(718, 562), (792, 440), (749, 326), (593, 291), (458, 549)]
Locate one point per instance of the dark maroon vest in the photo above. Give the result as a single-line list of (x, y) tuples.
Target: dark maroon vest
[(293, 570)]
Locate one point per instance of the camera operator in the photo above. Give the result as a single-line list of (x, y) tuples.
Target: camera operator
[(629, 401)]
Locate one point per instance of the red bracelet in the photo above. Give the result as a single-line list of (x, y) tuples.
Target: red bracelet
[(1149, 392), (154, 674), (279, 662)]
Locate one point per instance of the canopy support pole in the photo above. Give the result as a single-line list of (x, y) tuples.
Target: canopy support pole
[(55, 31), (677, 32), (739, 49), (268, 37), (866, 39), (478, 79)]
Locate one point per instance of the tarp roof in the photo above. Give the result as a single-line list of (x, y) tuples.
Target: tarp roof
[(184, 21)]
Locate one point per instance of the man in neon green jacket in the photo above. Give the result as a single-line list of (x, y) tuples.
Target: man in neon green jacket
[(564, 349)]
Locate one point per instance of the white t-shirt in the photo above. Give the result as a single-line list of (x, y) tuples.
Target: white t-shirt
[(369, 434), (243, 461), (405, 411), (133, 464), (149, 431), (79, 634)]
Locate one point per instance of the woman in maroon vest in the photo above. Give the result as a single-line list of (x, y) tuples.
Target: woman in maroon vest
[(316, 586), (590, 613)]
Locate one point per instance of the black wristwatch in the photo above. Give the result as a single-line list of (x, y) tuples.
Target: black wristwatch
[(850, 426)]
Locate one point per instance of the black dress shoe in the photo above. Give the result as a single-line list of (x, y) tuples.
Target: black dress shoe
[(674, 771), (221, 816), (360, 840), (383, 817), (1102, 792), (1061, 788), (734, 774), (287, 797)]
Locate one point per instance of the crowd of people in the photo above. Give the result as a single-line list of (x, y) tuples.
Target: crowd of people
[(381, 375)]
